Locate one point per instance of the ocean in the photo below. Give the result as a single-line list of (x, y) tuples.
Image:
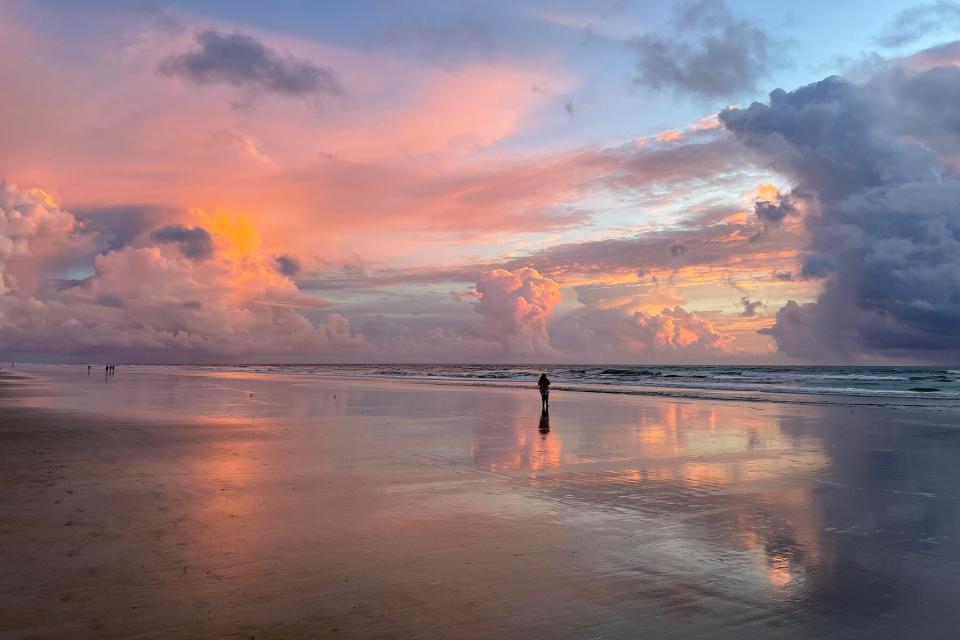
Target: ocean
[(929, 387)]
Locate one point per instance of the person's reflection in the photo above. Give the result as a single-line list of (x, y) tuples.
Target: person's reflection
[(545, 422)]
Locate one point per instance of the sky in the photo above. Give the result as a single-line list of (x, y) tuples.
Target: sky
[(619, 181)]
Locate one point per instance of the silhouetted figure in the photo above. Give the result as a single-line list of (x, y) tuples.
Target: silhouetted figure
[(89, 369), (544, 422), (544, 384)]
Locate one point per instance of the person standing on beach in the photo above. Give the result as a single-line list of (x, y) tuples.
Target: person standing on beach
[(544, 384)]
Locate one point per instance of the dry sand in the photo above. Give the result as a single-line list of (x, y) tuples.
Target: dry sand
[(150, 505)]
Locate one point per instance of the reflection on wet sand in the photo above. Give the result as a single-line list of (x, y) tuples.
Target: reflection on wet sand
[(511, 443), (242, 506), (544, 427)]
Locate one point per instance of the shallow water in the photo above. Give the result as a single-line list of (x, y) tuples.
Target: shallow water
[(238, 504)]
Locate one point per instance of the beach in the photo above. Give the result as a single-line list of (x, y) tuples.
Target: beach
[(230, 504)]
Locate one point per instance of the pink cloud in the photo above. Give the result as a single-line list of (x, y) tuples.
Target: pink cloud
[(407, 156), (160, 300), (620, 331), (515, 307)]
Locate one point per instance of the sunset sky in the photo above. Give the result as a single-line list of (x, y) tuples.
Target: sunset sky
[(663, 182)]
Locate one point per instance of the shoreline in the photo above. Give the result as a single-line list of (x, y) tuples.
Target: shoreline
[(911, 399)]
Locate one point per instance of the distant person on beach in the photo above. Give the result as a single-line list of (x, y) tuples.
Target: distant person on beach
[(544, 384)]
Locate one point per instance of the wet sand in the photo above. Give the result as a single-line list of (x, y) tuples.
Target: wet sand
[(152, 505)]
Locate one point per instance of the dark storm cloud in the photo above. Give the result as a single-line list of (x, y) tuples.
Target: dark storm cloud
[(247, 64), (927, 106), (288, 266), (916, 22), (887, 238), (830, 135), (707, 52), (194, 242)]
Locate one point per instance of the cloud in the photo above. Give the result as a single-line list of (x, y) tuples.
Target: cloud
[(515, 307), (409, 143), (621, 332), (288, 266), (719, 241), (773, 208), (914, 23), (250, 66), (886, 239), (707, 52), (34, 230), (118, 226), (926, 102), (194, 242), (830, 135), (244, 146), (716, 245), (772, 212), (154, 299), (750, 307)]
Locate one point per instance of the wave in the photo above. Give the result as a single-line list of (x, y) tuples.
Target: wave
[(828, 384)]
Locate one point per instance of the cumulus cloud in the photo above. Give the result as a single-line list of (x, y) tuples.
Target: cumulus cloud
[(154, 299), (914, 23), (194, 242), (887, 235), (515, 307), (707, 52), (250, 66), (621, 331), (831, 136), (33, 229), (926, 106)]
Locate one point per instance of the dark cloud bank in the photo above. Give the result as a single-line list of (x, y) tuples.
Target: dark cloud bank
[(886, 237)]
